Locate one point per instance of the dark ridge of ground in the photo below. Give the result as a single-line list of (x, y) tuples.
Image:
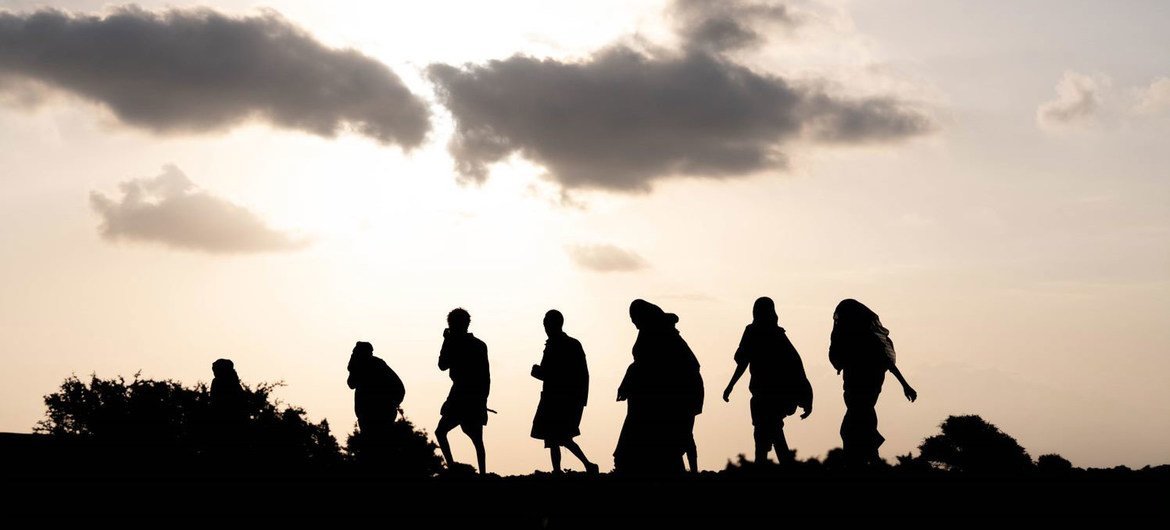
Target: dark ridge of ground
[(50, 481)]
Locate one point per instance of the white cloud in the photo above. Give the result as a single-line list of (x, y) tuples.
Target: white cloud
[(1154, 98), (169, 209), (1078, 100), (606, 258)]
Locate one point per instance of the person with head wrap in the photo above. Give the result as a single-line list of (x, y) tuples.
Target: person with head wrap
[(664, 392), (861, 350), (229, 413), (378, 393), (778, 382)]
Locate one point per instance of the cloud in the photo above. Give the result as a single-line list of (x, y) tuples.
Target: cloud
[(623, 118), (730, 24), (1154, 98), (171, 210), (1078, 99), (20, 93), (605, 258), (197, 70)]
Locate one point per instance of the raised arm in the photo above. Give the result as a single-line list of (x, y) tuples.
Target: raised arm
[(444, 356), (911, 394)]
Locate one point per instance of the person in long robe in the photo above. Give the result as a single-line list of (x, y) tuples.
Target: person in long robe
[(229, 414), (778, 381), (862, 352), (564, 393), (664, 391)]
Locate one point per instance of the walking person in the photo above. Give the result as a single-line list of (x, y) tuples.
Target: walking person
[(778, 381), (564, 394)]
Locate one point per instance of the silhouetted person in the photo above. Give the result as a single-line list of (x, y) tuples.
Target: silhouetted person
[(466, 358), (564, 393), (664, 392), (778, 382), (861, 349), (378, 392), (229, 410)]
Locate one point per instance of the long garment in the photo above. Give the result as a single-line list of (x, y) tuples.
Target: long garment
[(467, 359), (664, 392), (778, 381), (229, 414), (565, 391), (863, 363)]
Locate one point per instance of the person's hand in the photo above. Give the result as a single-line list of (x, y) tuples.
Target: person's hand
[(536, 371), (727, 394), (838, 371), (910, 393), (807, 412)]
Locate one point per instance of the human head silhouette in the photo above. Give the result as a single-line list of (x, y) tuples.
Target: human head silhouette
[(642, 313), (853, 318), (363, 349), (646, 315), (553, 322), (223, 368), (458, 320), (853, 314), (764, 311)]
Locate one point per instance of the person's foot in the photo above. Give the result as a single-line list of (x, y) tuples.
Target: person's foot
[(558, 471), (592, 468)]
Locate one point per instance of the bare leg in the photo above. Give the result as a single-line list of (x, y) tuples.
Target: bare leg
[(445, 426), (476, 436), (577, 452), (783, 453), (763, 445), (555, 453)]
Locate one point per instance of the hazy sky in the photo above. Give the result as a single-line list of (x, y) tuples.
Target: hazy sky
[(272, 181)]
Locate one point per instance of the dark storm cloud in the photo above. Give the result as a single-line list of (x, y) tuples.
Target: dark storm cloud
[(605, 258), (169, 209), (199, 70), (623, 118), (730, 24)]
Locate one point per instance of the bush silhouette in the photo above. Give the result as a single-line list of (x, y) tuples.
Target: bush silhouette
[(409, 452), (147, 422), (1053, 464), (971, 445)]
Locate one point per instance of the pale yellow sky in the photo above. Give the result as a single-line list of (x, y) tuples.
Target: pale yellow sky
[(1022, 268)]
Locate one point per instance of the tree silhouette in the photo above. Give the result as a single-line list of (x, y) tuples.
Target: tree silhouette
[(971, 445), (1053, 464), (149, 421)]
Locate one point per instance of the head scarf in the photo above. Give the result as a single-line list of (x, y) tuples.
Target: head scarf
[(853, 318)]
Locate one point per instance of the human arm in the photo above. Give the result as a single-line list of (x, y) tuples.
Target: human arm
[(739, 370), (539, 371), (742, 359), (627, 383), (354, 378), (911, 394), (445, 351)]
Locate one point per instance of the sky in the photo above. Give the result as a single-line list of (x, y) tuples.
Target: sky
[(272, 181)]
